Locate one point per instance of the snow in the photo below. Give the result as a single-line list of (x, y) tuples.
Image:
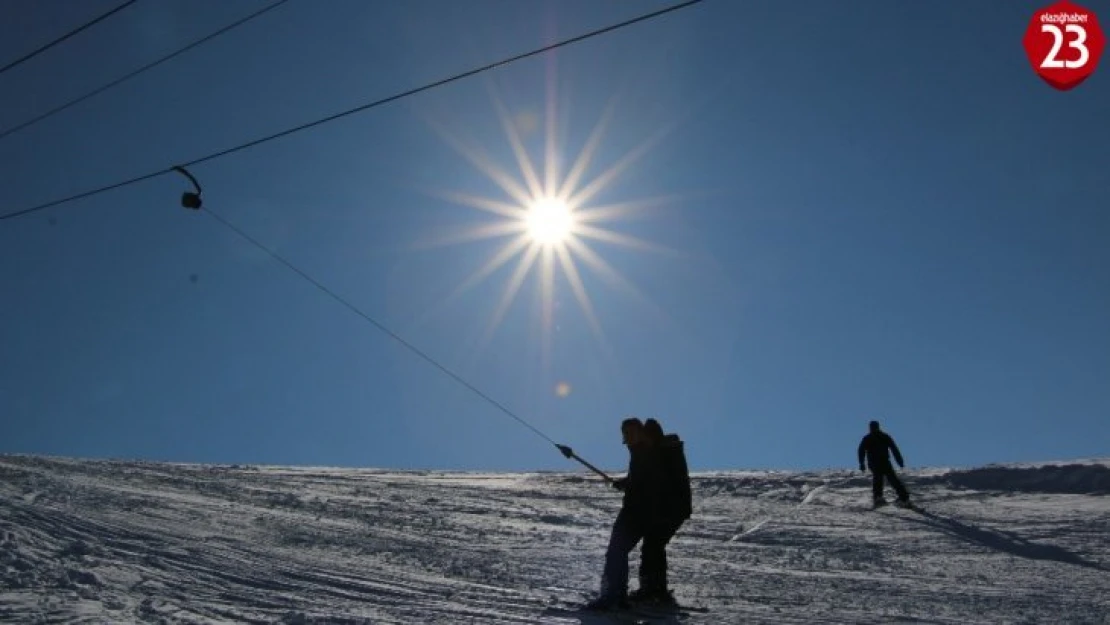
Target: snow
[(140, 542)]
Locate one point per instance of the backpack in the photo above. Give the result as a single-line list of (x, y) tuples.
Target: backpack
[(678, 495)]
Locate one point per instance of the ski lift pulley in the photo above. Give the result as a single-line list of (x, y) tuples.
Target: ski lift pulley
[(190, 199)]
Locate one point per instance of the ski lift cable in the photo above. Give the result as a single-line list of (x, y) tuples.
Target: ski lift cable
[(565, 450), (193, 201), (141, 70), (32, 54), (358, 109)]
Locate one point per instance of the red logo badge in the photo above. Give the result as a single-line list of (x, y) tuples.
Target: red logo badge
[(1064, 43)]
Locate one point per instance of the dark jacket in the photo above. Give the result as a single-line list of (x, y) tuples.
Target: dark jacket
[(877, 446), (643, 485), (676, 499)]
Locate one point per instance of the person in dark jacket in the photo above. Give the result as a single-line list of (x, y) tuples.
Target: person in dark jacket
[(877, 446), (675, 507), (639, 510)]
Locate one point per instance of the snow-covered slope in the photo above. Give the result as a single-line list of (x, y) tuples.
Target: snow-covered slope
[(121, 542)]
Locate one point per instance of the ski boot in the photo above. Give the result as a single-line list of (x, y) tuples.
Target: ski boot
[(653, 597), (605, 603)]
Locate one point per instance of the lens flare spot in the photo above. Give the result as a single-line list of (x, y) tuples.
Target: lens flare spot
[(562, 389)]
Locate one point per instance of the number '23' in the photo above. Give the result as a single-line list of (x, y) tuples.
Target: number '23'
[(1078, 43)]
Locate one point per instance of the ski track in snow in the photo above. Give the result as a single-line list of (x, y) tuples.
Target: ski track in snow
[(85, 541)]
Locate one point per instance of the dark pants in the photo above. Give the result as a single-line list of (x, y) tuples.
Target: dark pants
[(886, 471), (653, 557), (627, 531)]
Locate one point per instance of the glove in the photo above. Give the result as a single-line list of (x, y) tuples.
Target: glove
[(620, 484), (567, 451)]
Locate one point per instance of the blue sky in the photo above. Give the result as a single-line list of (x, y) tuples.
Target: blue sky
[(867, 211)]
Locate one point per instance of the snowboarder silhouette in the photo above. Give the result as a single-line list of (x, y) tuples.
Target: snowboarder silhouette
[(877, 446)]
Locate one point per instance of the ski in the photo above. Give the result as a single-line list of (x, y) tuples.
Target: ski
[(626, 615), (903, 506), (664, 610), (646, 612), (570, 600), (601, 616)]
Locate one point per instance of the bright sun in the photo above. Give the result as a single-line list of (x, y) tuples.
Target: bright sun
[(549, 220)]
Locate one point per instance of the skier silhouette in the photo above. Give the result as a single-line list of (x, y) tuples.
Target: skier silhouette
[(877, 446), (639, 512)]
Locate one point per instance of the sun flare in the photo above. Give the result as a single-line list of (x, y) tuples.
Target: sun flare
[(550, 221)]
